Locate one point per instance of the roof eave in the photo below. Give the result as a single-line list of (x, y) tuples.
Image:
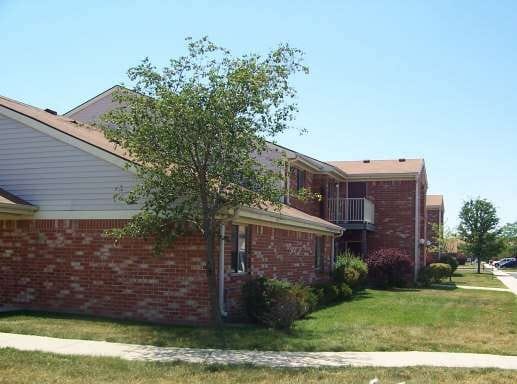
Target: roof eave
[(287, 220), (17, 209)]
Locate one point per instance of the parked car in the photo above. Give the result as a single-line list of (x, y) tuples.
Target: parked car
[(508, 264), (497, 264)]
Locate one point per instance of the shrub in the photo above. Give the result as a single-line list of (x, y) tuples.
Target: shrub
[(451, 260), (277, 303), (344, 292), (282, 312), (327, 293), (306, 298), (350, 270), (389, 267), (434, 273)]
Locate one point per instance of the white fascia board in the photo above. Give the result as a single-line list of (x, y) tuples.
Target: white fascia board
[(17, 209), (255, 214), (85, 215), (383, 177)]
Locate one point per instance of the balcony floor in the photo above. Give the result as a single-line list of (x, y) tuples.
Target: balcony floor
[(358, 226)]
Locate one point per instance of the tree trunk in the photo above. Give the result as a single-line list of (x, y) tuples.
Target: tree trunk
[(212, 278), (479, 264)]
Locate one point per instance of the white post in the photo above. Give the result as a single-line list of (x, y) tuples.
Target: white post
[(221, 269), (417, 226)]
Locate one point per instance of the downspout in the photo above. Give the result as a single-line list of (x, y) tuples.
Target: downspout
[(417, 225), (222, 231), (333, 248)]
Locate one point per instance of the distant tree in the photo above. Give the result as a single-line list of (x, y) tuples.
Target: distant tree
[(195, 129), (443, 239), (509, 239), (478, 228)]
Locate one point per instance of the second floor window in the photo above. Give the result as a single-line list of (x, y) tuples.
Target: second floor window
[(300, 179), (240, 248)]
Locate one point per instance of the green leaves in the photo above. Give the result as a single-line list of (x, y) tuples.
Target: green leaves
[(478, 228), (196, 129)]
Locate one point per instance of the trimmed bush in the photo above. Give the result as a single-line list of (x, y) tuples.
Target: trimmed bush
[(306, 298), (350, 270), (345, 292), (277, 303), (330, 293), (389, 267), (327, 293), (451, 260), (434, 273)]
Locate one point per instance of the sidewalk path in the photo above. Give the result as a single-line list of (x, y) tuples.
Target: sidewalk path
[(505, 278), (471, 287), (270, 359)]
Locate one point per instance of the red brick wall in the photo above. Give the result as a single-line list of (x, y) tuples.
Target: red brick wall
[(277, 253), (433, 219), (315, 183), (394, 215), (70, 266)]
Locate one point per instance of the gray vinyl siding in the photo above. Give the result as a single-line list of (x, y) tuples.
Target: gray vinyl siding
[(56, 176)]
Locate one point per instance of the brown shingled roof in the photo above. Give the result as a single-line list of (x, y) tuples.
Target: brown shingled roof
[(434, 201), (80, 131), (95, 137), (373, 167)]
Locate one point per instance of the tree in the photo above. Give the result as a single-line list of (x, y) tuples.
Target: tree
[(509, 239), (443, 238), (478, 228), (194, 130)]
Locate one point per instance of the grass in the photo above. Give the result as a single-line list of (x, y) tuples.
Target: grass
[(35, 367), (467, 275), (451, 320)]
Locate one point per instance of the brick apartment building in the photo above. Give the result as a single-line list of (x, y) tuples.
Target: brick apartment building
[(57, 178), (435, 209)]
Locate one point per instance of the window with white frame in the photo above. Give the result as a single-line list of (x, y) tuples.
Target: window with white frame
[(240, 248), (318, 253), (300, 179)]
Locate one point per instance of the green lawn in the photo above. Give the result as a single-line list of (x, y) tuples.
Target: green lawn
[(34, 367), (428, 320), (467, 275)]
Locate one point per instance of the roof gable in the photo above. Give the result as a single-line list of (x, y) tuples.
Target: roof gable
[(80, 135)]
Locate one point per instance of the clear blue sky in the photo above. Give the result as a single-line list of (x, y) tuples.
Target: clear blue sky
[(389, 79)]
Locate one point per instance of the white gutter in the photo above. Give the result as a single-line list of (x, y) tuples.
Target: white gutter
[(284, 219), (17, 209), (417, 226), (221, 270)]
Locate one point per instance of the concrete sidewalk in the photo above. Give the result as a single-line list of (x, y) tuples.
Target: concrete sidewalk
[(505, 278), (269, 359)]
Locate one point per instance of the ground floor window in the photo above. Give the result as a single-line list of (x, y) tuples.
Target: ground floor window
[(318, 253), (240, 248)]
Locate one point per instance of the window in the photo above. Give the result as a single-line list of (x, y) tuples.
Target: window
[(318, 253), (240, 248), (300, 179)]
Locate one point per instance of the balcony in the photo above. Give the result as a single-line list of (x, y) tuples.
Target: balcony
[(352, 213)]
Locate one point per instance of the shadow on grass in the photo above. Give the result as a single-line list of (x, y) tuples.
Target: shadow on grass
[(449, 286)]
